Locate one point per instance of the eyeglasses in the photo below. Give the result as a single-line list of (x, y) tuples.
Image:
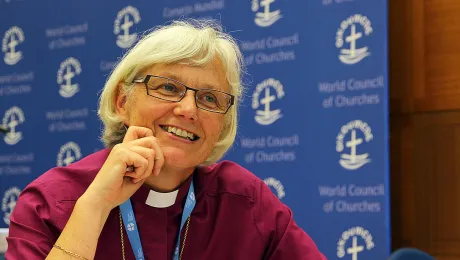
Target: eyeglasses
[(172, 90)]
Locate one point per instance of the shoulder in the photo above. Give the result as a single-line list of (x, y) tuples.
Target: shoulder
[(49, 199), (69, 182), (231, 178)]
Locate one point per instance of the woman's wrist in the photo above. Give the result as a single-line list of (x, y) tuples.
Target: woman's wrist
[(82, 231), (94, 206)]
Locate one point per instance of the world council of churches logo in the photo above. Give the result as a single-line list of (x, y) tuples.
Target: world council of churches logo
[(9, 202), (276, 185), (358, 236), (68, 153), (267, 116), (69, 68), (353, 160), (12, 119), (264, 15), (126, 18), (353, 54), (12, 38)]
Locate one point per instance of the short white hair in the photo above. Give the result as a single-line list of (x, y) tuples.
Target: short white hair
[(190, 42)]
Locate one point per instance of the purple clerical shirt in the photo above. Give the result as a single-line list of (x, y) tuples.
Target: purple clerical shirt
[(236, 217)]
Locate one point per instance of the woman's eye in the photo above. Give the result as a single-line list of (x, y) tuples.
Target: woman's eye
[(210, 99), (169, 87)]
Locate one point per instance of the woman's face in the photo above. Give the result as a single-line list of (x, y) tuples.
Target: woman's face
[(161, 116)]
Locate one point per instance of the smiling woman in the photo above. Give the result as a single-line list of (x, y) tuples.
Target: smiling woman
[(158, 190)]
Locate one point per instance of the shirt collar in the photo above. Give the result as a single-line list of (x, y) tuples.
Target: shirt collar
[(173, 199)]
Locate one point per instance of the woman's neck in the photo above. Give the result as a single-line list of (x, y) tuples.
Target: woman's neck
[(168, 180)]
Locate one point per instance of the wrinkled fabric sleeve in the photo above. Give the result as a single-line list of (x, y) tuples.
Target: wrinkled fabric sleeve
[(284, 239), (32, 232)]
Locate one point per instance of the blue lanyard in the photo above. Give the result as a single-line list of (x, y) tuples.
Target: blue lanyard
[(129, 221)]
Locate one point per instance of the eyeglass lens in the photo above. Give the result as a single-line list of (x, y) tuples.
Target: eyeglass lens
[(170, 90)]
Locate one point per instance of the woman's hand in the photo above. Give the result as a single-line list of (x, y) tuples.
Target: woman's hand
[(113, 185)]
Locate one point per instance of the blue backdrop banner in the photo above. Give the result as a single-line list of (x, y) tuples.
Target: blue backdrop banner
[(314, 119)]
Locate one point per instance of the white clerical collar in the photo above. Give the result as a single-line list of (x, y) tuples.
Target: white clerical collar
[(161, 200)]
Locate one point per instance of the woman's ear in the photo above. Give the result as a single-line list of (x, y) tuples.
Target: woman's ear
[(121, 106)]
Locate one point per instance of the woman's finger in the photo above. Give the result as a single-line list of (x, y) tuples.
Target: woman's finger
[(135, 159), (136, 132), (148, 154), (151, 142)]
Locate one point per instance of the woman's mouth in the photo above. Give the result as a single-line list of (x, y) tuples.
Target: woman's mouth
[(182, 133)]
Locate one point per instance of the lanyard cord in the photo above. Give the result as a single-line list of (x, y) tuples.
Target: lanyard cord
[(127, 218), (123, 243)]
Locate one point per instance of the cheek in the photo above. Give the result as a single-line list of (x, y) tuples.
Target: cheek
[(144, 112), (213, 127)]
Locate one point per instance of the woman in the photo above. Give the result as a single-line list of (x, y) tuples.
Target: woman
[(170, 112)]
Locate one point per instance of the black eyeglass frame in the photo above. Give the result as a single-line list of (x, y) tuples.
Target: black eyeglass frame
[(146, 79)]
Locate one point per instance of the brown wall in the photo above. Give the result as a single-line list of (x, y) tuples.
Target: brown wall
[(425, 125)]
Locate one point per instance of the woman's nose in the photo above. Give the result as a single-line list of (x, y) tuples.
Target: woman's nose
[(187, 106)]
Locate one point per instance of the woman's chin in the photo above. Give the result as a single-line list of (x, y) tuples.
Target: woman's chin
[(176, 157)]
